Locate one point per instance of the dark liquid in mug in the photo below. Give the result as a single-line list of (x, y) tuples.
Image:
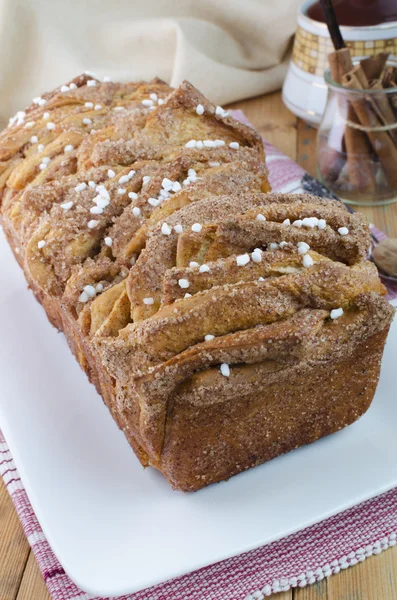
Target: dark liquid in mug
[(358, 12)]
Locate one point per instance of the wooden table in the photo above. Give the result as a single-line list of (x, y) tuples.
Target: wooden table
[(373, 579)]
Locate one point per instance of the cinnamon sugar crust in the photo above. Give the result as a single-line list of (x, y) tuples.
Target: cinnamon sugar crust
[(222, 324)]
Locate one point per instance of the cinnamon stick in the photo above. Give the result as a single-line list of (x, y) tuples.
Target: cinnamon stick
[(388, 81), (358, 72), (358, 148), (340, 63), (393, 100), (359, 156), (383, 109), (381, 141), (388, 77), (374, 65)]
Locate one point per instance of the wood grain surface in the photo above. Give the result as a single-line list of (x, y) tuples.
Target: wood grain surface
[(373, 579)]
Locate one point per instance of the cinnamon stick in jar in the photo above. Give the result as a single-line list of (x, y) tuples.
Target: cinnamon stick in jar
[(381, 141), (389, 80), (383, 109), (373, 66), (340, 62), (359, 155), (388, 77), (369, 137), (358, 148)]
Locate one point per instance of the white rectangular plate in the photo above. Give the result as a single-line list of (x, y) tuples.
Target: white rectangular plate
[(117, 528)]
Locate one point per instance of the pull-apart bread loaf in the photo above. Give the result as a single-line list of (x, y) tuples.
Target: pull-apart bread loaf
[(222, 324)]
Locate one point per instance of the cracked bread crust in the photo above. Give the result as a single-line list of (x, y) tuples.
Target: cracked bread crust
[(222, 324)]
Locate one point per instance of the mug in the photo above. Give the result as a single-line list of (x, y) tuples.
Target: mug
[(304, 89)]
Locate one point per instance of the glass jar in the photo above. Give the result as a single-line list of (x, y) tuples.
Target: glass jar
[(357, 144)]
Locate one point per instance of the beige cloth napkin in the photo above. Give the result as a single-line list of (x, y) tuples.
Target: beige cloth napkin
[(229, 49)]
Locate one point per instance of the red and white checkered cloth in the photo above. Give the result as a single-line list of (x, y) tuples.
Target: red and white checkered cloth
[(297, 560)]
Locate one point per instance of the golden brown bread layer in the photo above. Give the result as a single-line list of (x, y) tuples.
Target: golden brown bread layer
[(222, 324)]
